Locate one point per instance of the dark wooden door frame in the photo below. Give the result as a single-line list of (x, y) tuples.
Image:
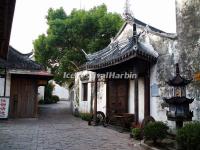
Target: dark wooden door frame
[(14, 89), (147, 96), (136, 99), (146, 78), (108, 99)]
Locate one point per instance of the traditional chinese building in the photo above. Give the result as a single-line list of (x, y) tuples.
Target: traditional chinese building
[(151, 55), (19, 81), (19, 75)]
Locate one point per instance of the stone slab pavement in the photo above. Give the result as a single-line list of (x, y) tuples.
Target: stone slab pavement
[(56, 129)]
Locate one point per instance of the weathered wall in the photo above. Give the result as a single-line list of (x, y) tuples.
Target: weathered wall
[(185, 51), (131, 104), (83, 106), (161, 72), (101, 97), (188, 29), (2, 81), (41, 93), (8, 84), (86, 106), (141, 99)]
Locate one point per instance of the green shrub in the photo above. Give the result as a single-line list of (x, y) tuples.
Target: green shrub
[(76, 112), (48, 97), (41, 101), (155, 131), (188, 137), (55, 98), (86, 116), (137, 133)]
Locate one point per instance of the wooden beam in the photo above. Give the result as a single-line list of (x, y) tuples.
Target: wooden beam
[(136, 100), (6, 13), (95, 100), (147, 96), (107, 96), (5, 82)]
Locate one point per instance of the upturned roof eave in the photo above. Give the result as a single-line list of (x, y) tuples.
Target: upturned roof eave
[(132, 55)]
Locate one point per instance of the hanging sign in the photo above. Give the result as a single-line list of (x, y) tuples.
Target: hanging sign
[(197, 76), (4, 105)]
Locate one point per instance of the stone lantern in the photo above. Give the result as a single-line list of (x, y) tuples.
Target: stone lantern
[(178, 104)]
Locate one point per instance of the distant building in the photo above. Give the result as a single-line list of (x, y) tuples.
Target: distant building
[(61, 92)]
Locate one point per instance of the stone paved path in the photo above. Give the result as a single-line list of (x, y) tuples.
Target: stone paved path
[(57, 129)]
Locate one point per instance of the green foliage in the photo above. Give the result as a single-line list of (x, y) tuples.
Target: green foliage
[(76, 112), (86, 116), (55, 98), (188, 137), (41, 102), (137, 133), (48, 93), (60, 48), (155, 131)]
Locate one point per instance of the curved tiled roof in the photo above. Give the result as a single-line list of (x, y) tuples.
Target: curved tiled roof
[(119, 52), (17, 60), (149, 28)]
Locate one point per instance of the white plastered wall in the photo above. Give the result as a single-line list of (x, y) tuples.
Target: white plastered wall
[(101, 97), (85, 106), (141, 99), (2, 81), (131, 104), (8, 84), (156, 110), (41, 90)]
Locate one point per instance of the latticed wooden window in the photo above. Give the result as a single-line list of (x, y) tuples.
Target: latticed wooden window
[(85, 91)]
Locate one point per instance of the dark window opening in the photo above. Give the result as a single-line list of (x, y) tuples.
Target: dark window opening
[(85, 91)]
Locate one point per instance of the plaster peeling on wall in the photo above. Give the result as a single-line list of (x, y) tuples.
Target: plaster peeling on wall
[(183, 48)]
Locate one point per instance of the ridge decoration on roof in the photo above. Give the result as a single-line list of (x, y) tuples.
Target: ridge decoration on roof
[(147, 27), (121, 50), (118, 52)]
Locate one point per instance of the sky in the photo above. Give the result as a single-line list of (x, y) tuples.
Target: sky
[(29, 18)]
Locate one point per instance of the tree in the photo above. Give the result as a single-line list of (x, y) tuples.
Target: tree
[(90, 30)]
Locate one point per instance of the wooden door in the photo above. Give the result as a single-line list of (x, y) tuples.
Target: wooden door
[(117, 97), (23, 100)]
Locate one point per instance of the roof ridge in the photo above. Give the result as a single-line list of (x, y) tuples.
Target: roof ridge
[(153, 29), (26, 54)]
